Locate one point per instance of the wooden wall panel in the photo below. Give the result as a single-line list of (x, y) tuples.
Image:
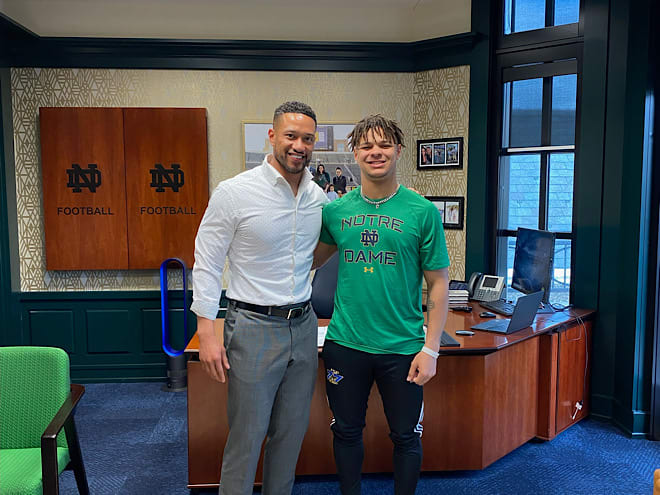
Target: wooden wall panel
[(166, 182), (109, 331), (52, 329), (82, 159), (152, 329)]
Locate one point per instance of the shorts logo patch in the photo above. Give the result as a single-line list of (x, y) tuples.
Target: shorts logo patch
[(333, 376)]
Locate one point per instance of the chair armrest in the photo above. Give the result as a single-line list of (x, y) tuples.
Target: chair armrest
[(62, 418), (64, 413)]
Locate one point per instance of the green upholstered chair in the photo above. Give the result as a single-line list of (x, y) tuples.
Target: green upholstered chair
[(37, 400)]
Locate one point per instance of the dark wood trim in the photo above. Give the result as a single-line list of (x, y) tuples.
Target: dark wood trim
[(548, 53), (12, 31), (537, 37), (480, 172), (550, 69), (5, 267), (63, 419), (117, 295), (29, 50), (513, 233), (654, 249)]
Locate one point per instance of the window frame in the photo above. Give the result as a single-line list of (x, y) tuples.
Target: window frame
[(547, 34), (541, 53)]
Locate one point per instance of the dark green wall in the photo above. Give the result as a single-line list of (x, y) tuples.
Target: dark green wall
[(478, 231), (110, 336), (611, 212)]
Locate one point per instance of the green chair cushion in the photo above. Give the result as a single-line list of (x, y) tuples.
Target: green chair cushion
[(34, 383), (20, 470)]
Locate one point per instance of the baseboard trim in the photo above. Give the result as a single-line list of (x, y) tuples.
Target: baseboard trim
[(634, 422)]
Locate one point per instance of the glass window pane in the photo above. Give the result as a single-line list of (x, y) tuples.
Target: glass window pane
[(506, 114), (564, 97), (525, 101), (560, 192), (523, 15), (561, 279), (507, 16), (567, 11), (510, 253), (520, 179)]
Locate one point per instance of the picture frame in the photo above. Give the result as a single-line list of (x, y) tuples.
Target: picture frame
[(452, 210), (443, 153), (330, 149)]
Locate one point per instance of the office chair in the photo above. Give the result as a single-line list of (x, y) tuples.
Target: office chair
[(37, 400), (324, 284)]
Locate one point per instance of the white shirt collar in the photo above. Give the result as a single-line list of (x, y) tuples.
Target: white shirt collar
[(273, 175)]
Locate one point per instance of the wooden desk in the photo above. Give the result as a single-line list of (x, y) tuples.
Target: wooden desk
[(490, 395)]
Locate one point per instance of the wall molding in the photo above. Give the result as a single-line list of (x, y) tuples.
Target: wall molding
[(22, 48), (110, 336), (633, 421)]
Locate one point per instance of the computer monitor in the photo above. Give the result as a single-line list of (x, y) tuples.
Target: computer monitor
[(533, 260)]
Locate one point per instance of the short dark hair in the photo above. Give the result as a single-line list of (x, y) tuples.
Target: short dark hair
[(294, 107), (388, 127), (338, 168)]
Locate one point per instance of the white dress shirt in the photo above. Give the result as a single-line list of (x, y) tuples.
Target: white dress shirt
[(268, 235)]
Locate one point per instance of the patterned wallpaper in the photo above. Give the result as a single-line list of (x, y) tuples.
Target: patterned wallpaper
[(427, 105), (441, 100)]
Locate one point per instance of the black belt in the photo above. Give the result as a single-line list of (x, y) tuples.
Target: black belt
[(290, 311)]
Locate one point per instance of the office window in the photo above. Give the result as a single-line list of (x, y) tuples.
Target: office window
[(566, 11), (564, 95), (536, 164), (527, 15), (525, 104)]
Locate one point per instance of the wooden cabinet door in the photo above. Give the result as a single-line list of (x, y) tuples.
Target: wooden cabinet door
[(84, 195), (573, 376), (166, 182)]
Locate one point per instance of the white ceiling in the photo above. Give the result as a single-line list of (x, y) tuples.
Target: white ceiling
[(303, 20)]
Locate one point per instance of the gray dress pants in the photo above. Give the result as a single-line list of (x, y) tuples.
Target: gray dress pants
[(271, 379)]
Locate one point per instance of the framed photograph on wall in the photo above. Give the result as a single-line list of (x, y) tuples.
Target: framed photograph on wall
[(330, 151), (440, 153), (451, 209)]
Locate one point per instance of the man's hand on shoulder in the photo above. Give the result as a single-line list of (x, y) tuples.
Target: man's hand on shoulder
[(212, 352), (422, 368)]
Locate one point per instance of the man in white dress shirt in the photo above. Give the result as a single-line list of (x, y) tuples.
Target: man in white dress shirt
[(266, 221)]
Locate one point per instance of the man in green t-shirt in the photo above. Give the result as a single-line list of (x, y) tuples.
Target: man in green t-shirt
[(388, 237)]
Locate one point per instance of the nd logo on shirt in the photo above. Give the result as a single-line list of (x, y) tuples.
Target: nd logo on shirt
[(362, 227)]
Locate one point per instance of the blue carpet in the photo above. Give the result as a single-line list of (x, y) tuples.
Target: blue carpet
[(134, 441)]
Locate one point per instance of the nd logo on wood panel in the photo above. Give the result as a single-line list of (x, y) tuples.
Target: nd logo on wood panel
[(84, 192), (166, 182), (123, 188)]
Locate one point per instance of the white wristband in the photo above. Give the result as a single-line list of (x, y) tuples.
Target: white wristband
[(430, 352)]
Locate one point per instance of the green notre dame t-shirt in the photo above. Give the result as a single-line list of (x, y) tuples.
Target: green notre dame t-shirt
[(382, 253)]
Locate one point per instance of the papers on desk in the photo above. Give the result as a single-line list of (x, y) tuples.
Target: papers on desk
[(458, 297), (321, 336)]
